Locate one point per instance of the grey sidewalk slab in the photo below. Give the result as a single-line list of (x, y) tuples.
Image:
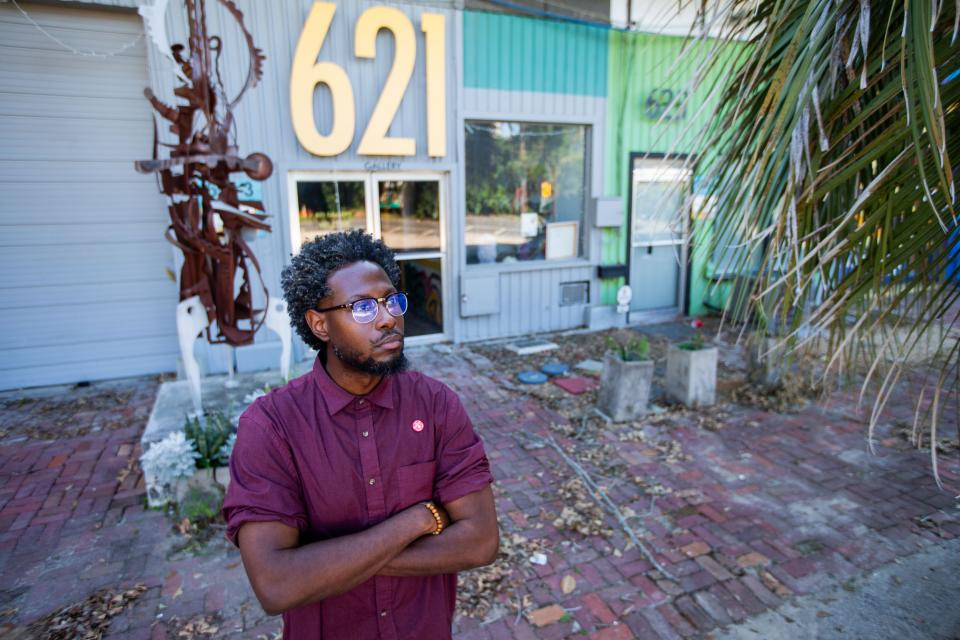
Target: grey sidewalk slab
[(914, 598)]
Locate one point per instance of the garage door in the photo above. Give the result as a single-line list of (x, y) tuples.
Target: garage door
[(84, 293)]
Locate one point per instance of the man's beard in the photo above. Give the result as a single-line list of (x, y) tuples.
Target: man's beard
[(354, 360)]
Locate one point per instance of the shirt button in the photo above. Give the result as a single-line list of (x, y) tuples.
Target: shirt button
[(373, 481), (383, 613), (361, 403), (365, 434)]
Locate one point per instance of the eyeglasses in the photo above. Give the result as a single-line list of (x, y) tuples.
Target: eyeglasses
[(366, 310)]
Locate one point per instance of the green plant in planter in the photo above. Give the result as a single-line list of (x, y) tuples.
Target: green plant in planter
[(208, 436), (697, 342), (633, 350)]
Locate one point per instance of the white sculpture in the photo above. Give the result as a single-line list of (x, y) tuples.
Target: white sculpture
[(192, 320), (278, 321)]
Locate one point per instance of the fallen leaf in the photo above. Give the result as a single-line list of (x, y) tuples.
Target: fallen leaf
[(568, 584), (546, 615)]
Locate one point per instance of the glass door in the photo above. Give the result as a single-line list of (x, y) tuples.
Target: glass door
[(328, 203), (659, 190), (408, 217), (406, 210)]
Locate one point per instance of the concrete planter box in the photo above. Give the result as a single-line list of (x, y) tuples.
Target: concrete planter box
[(159, 495), (624, 388), (692, 375), (766, 363)]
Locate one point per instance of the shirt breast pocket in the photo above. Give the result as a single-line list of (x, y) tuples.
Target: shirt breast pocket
[(416, 482)]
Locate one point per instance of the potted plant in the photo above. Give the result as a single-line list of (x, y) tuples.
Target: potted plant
[(626, 378), (166, 465), (692, 370), (213, 438), (195, 457)]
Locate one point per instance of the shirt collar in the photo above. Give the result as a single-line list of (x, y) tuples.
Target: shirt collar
[(338, 398)]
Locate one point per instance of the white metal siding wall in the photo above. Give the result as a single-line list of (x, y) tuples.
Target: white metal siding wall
[(530, 303), (84, 293)]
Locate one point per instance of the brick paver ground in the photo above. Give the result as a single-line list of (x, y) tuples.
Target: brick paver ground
[(768, 506)]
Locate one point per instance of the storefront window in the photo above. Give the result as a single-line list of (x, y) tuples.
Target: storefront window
[(526, 191), (329, 206), (410, 214)]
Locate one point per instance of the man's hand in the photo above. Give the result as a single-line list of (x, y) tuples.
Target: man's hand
[(285, 575), (471, 539)]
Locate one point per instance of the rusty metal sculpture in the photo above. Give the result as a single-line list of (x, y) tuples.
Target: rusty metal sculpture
[(209, 221)]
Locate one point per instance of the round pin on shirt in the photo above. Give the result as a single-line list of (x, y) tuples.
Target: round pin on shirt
[(417, 425)]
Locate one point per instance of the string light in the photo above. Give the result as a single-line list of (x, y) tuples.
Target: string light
[(88, 53)]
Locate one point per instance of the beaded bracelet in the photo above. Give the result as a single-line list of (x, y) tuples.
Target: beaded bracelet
[(436, 516)]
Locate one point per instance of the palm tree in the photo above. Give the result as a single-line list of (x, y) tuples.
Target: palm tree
[(830, 153)]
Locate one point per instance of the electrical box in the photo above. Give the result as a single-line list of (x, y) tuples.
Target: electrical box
[(479, 294), (608, 212)]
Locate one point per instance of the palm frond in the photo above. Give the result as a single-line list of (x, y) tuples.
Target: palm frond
[(830, 155)]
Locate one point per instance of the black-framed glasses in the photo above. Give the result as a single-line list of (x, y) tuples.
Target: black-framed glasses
[(366, 310)]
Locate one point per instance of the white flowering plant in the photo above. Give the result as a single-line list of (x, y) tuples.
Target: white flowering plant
[(172, 458), (223, 456)]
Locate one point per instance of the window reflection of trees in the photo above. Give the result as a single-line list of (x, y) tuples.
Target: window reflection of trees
[(325, 207), (507, 164), (410, 214)]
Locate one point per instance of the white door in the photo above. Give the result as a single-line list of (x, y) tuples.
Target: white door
[(406, 210), (85, 292), (659, 203)]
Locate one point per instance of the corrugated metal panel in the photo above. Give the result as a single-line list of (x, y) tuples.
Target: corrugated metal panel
[(514, 53), (641, 64), (585, 10), (85, 294), (553, 107), (108, 3), (530, 303)]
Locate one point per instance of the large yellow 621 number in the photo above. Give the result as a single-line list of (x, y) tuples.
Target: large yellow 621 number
[(307, 73)]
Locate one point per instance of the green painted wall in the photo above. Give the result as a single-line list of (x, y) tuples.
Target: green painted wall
[(640, 65), (516, 53)]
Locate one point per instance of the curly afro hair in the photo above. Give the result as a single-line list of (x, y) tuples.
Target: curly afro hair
[(304, 280)]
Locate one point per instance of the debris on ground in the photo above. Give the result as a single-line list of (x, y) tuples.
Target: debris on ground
[(84, 410), (667, 450), (198, 519), (791, 395), (86, 620), (920, 438), (200, 626), (546, 615), (580, 512), (489, 592)]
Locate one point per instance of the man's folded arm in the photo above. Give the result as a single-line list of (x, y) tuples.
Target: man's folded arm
[(285, 576), (472, 539)]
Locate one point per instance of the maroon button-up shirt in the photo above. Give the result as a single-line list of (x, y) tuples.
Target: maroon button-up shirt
[(315, 457)]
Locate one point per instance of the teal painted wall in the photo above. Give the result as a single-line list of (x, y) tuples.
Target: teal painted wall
[(515, 53)]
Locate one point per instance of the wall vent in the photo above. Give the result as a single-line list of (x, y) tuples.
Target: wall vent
[(574, 293)]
